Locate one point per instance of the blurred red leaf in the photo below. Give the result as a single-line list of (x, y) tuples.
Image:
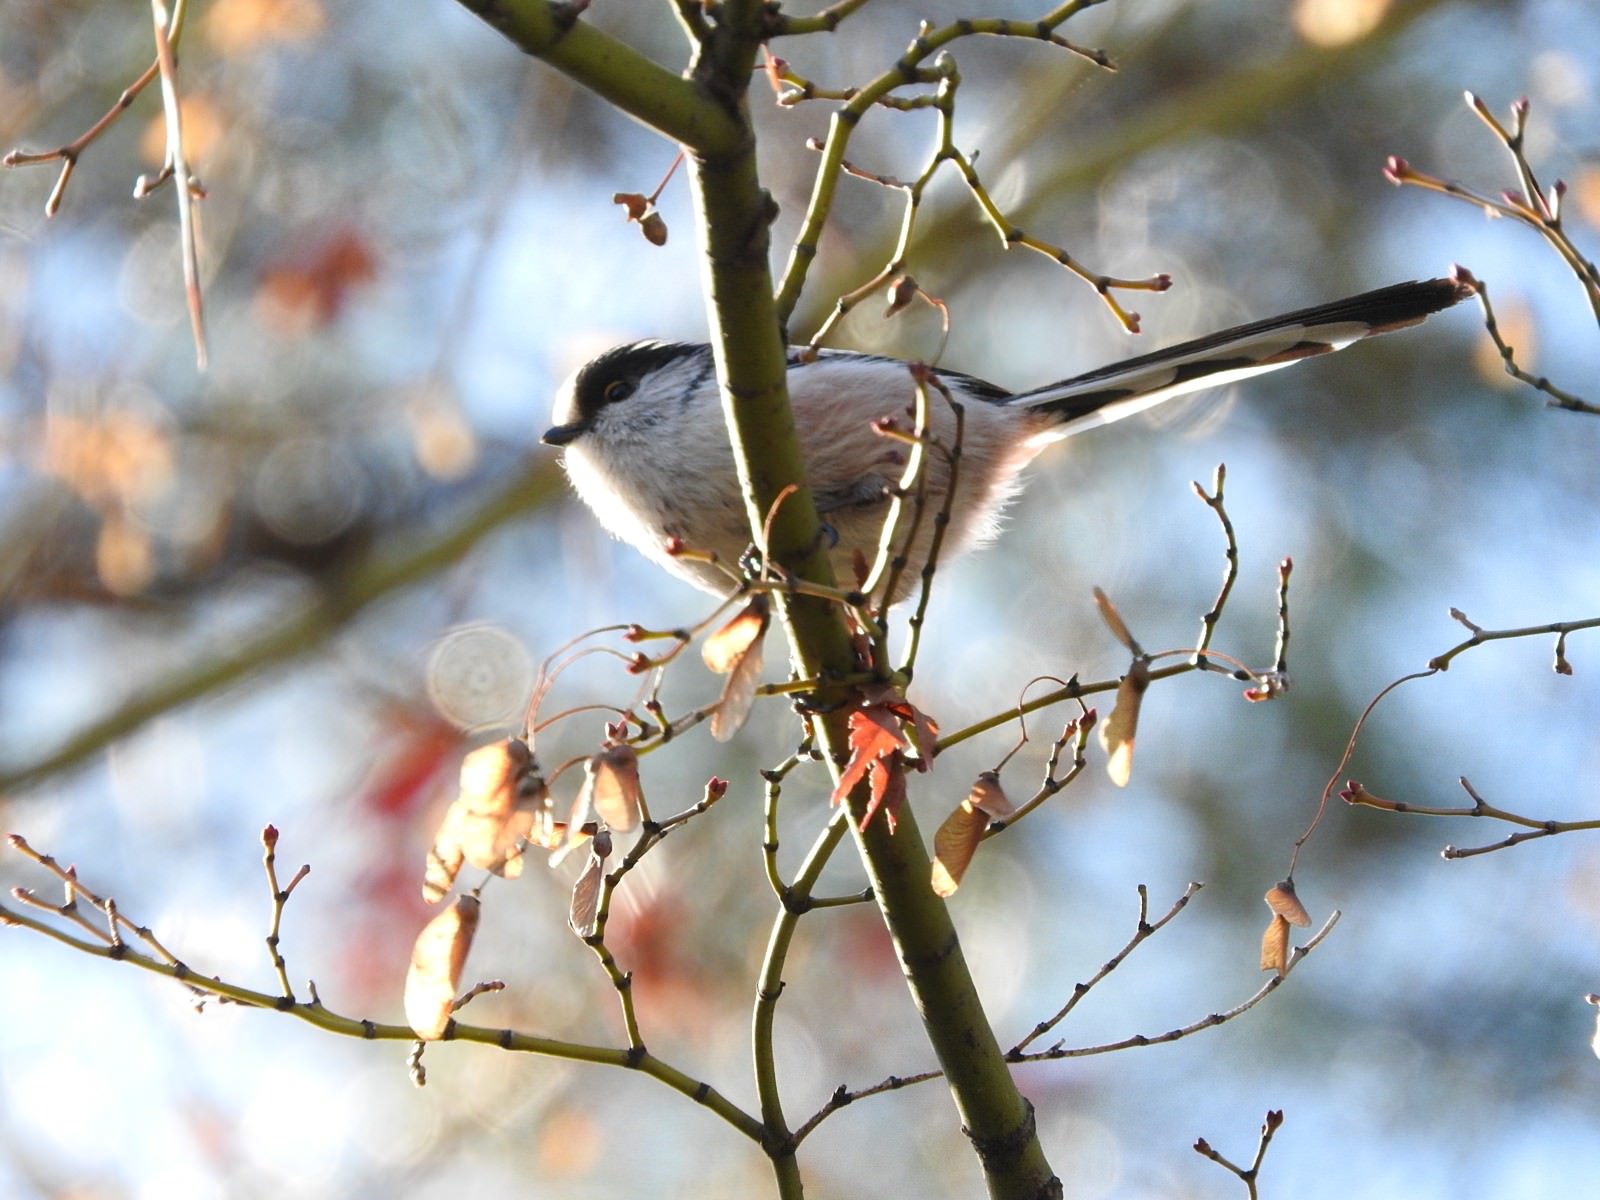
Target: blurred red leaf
[(311, 289)]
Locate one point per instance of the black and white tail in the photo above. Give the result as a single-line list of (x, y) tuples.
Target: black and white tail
[(1118, 391)]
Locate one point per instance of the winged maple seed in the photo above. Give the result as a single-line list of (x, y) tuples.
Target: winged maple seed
[(611, 786), (436, 961), (584, 912), (735, 650), (1118, 733), (883, 729), (1282, 900), (958, 838), (1275, 946), (501, 806)]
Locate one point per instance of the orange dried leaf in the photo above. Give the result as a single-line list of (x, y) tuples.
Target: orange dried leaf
[(436, 961), (888, 778), (955, 844), (1118, 733), (584, 913), (874, 736), (1282, 900), (611, 781), (1275, 946)]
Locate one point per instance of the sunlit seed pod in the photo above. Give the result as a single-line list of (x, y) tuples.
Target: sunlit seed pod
[(954, 845), (1118, 733), (437, 958), (611, 779)]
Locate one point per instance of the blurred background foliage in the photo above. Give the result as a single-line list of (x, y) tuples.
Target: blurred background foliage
[(297, 587)]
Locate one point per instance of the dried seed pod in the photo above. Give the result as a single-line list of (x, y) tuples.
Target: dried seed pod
[(1275, 946), (1282, 900), (436, 961), (1120, 728), (500, 799), (611, 786)]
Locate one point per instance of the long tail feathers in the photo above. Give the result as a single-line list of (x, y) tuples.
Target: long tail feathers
[(1129, 387)]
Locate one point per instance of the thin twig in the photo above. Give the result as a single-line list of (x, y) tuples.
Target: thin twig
[(1173, 1035), (1142, 932)]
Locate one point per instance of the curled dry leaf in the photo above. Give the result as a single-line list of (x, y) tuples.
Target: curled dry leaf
[(735, 650), (1282, 900), (436, 961), (502, 797), (1118, 732), (1275, 946), (584, 913), (611, 787)]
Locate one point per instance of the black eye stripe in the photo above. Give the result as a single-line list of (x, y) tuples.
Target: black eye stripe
[(615, 375)]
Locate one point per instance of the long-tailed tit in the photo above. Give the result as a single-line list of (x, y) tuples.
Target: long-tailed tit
[(647, 450)]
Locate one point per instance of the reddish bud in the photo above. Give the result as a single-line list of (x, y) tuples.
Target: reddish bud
[(902, 292)]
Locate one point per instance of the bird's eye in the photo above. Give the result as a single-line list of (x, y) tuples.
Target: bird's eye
[(618, 389)]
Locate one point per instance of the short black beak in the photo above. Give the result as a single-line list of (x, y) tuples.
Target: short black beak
[(560, 435)]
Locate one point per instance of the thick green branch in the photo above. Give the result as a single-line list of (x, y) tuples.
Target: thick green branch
[(735, 214), (613, 70)]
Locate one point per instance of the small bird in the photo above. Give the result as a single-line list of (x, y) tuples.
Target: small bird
[(644, 443)]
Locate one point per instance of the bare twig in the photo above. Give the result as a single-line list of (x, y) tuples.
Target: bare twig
[(1142, 931), (1247, 1175), (1173, 1035), (280, 897), (1355, 794)]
